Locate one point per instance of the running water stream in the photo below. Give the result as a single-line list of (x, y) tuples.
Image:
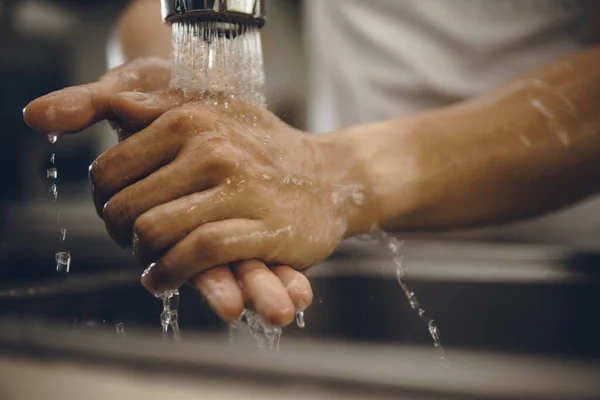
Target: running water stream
[(210, 57)]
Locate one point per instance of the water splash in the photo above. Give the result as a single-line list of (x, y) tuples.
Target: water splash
[(395, 247), (267, 337)]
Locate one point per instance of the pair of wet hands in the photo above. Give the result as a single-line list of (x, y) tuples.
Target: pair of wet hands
[(209, 195)]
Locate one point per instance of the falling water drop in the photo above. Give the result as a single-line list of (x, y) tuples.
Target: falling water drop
[(63, 233), (52, 158), (120, 329), (300, 319), (53, 191), (51, 173), (52, 138), (433, 331), (63, 262)]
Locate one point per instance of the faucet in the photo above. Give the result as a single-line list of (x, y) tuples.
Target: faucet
[(227, 11)]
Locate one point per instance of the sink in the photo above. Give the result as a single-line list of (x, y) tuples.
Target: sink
[(490, 297)]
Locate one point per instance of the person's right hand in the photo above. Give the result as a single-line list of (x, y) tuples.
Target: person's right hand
[(73, 109)]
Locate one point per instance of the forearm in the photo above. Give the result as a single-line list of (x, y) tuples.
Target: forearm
[(528, 148), (139, 32)]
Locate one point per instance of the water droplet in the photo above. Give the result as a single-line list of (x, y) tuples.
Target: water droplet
[(120, 328), (51, 173), (63, 262), (53, 192), (135, 243), (52, 138), (63, 233), (300, 319), (52, 158), (433, 331)]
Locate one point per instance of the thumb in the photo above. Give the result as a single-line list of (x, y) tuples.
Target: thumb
[(75, 108)]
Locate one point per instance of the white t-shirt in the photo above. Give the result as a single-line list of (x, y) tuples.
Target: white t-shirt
[(376, 59)]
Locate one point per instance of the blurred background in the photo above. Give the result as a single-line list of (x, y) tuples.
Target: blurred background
[(493, 295)]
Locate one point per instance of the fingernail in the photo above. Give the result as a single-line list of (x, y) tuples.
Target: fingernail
[(151, 279), (146, 279)]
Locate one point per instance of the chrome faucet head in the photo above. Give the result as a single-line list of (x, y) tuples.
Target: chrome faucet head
[(229, 11)]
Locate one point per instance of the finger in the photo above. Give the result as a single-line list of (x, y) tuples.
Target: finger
[(155, 146), (266, 292), (136, 157), (163, 226), (213, 244), (169, 183), (75, 108), (296, 284), (222, 292)]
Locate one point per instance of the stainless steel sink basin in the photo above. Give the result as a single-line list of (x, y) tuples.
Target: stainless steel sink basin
[(491, 302), (506, 298), (43, 361)]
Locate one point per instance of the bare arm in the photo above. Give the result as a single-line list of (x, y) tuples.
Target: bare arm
[(528, 148)]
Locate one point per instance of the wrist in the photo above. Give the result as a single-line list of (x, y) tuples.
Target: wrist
[(387, 162), (344, 168)]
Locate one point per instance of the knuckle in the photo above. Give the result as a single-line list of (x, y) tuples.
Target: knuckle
[(147, 233), (222, 160), (189, 118), (116, 214), (179, 120)]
